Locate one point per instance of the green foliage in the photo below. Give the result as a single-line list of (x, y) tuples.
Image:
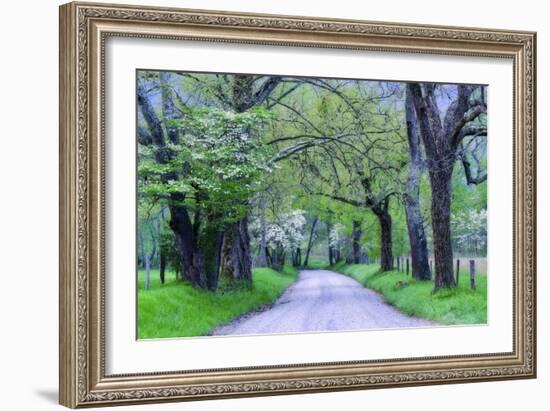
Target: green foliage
[(351, 143), (466, 196), (219, 163), (459, 305), (176, 309)]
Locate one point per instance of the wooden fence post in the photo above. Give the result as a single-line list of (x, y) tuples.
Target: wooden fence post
[(457, 270), (472, 274), (407, 265)]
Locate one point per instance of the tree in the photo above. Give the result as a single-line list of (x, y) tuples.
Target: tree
[(380, 207), (217, 151), (285, 236), (415, 223), (154, 136), (213, 170), (441, 138), (310, 239), (356, 242), (237, 259), (148, 240), (335, 240), (359, 169), (470, 230)]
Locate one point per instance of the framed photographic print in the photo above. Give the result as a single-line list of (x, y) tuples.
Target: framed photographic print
[(259, 204)]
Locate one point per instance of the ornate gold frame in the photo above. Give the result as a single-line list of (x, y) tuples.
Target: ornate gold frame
[(83, 30)]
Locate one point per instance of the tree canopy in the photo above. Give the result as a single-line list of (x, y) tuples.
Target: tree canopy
[(236, 171)]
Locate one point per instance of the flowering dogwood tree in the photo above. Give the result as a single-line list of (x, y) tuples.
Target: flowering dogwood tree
[(219, 162), (336, 235), (336, 238), (470, 230), (285, 236), (211, 166)]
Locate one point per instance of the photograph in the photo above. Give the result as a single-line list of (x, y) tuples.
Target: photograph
[(273, 204)]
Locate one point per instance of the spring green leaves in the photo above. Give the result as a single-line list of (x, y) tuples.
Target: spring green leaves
[(221, 156)]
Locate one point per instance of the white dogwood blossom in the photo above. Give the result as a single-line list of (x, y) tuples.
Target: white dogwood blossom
[(470, 229), (336, 235), (288, 233)]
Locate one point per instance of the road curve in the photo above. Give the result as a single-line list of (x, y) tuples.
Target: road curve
[(322, 300)]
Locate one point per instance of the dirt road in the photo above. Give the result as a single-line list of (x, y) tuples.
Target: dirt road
[(322, 300)]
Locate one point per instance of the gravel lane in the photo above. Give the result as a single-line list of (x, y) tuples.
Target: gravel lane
[(322, 300)]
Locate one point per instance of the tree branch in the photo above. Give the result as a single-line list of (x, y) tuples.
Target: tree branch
[(266, 89), (473, 131), (470, 179), (226, 101), (275, 101), (473, 113), (424, 115), (289, 151), (354, 203), (155, 126)]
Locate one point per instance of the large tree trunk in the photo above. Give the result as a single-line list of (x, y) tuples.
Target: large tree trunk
[(236, 255), (211, 247), (192, 261), (386, 253), (237, 260), (441, 224), (415, 224), (441, 140), (356, 242), (226, 266), (380, 209), (242, 261), (310, 240), (417, 240)]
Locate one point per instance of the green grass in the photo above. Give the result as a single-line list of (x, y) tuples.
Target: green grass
[(175, 309), (460, 305)]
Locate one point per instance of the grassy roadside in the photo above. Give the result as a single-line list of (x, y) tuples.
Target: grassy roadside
[(175, 309), (457, 306)]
